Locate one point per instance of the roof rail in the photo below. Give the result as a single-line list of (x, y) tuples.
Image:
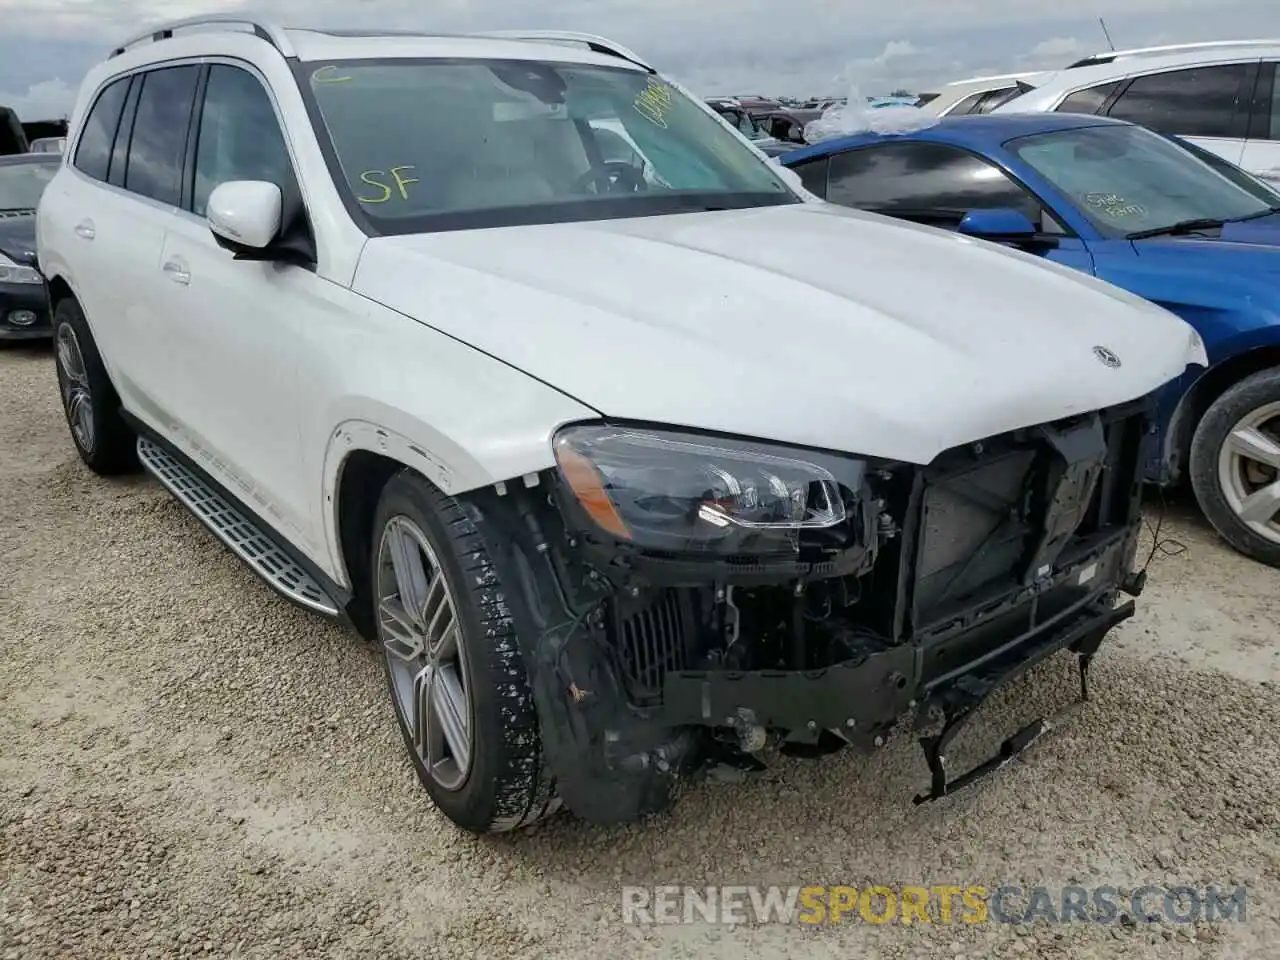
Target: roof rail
[(592, 41), (164, 31), (1109, 56), (995, 77)]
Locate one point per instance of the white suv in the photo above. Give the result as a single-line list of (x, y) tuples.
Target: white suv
[(626, 465), (1224, 97)]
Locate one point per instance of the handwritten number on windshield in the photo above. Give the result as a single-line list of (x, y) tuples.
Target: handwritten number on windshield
[(653, 101)]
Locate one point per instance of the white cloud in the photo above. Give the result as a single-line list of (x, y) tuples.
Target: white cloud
[(1057, 49), (44, 100), (805, 47)]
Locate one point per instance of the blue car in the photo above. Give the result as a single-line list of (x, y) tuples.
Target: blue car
[(1136, 209)]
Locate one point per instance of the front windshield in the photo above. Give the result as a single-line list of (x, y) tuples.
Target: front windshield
[(1127, 180), (448, 144), (21, 184)]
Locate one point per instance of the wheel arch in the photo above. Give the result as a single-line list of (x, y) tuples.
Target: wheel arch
[(59, 289), (361, 459), (1202, 394)]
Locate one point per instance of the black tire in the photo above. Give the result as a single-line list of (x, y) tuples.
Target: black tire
[(509, 784), (109, 447), (1247, 396)]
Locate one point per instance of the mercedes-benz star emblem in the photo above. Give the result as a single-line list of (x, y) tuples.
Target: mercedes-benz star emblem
[(1106, 356)]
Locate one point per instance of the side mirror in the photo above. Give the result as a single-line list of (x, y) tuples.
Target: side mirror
[(245, 214), (998, 223)]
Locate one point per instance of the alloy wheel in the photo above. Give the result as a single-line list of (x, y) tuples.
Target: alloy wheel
[(77, 398), (426, 654), (1249, 471)]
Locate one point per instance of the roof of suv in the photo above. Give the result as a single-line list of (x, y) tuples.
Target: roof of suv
[(1226, 46), (1070, 79), (316, 43)]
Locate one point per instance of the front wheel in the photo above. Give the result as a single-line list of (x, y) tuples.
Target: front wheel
[(453, 666), (1235, 466)]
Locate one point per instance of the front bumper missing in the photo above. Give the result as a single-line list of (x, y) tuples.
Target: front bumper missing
[(958, 700), (863, 698)]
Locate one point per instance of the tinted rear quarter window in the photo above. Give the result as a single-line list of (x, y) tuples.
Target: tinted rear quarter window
[(1200, 102), (966, 106), (93, 151), (1088, 101), (929, 182), (1274, 126), (159, 136), (814, 175), (994, 98)]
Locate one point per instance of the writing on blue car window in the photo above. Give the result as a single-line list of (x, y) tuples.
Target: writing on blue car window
[(1126, 179)]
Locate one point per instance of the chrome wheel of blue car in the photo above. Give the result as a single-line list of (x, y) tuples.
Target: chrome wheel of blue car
[(1249, 471), (1235, 465)]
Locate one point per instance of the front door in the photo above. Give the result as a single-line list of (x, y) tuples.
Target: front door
[(233, 324)]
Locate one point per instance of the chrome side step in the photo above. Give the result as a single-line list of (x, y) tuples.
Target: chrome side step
[(238, 531)]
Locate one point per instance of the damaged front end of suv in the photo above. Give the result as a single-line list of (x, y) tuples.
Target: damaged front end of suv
[(683, 598)]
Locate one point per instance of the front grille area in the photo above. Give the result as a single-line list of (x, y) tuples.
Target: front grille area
[(996, 516), (651, 638)]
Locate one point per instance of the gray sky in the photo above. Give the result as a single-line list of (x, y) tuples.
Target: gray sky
[(802, 47)]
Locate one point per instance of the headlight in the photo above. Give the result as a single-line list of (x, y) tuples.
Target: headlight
[(672, 491), (11, 272)]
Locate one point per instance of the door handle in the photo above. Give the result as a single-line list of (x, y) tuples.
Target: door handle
[(177, 271), (84, 230)]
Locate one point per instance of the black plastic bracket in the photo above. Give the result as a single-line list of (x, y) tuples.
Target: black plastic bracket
[(935, 747)]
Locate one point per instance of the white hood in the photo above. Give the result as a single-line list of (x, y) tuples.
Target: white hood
[(809, 324)]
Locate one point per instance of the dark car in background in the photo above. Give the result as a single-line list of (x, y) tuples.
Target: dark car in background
[(24, 312), (740, 117), (787, 126)]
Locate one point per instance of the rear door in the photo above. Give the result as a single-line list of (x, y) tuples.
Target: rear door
[(151, 150), (1209, 105), (1262, 149), (77, 207)]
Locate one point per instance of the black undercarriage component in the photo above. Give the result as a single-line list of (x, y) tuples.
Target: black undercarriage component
[(958, 702), (950, 580)]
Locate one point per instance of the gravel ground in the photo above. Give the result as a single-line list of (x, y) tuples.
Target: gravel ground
[(190, 766)]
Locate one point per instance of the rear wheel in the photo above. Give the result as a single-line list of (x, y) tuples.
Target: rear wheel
[(1235, 466), (92, 407), (453, 666)]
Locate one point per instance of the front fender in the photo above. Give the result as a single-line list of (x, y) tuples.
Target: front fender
[(505, 436)]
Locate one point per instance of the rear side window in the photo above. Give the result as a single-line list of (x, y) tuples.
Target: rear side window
[(1201, 102), (927, 182), (159, 136), (814, 175), (93, 152), (1274, 133), (994, 98), (1089, 100), (966, 106)]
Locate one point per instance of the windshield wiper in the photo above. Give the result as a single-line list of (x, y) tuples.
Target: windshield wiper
[(1177, 229)]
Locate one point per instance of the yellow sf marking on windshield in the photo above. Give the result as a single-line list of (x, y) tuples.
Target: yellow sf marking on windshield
[(400, 182), (653, 101), (322, 75)]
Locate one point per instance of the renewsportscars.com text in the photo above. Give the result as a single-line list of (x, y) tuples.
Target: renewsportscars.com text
[(941, 904)]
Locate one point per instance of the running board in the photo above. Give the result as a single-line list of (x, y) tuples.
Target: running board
[(234, 528)]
